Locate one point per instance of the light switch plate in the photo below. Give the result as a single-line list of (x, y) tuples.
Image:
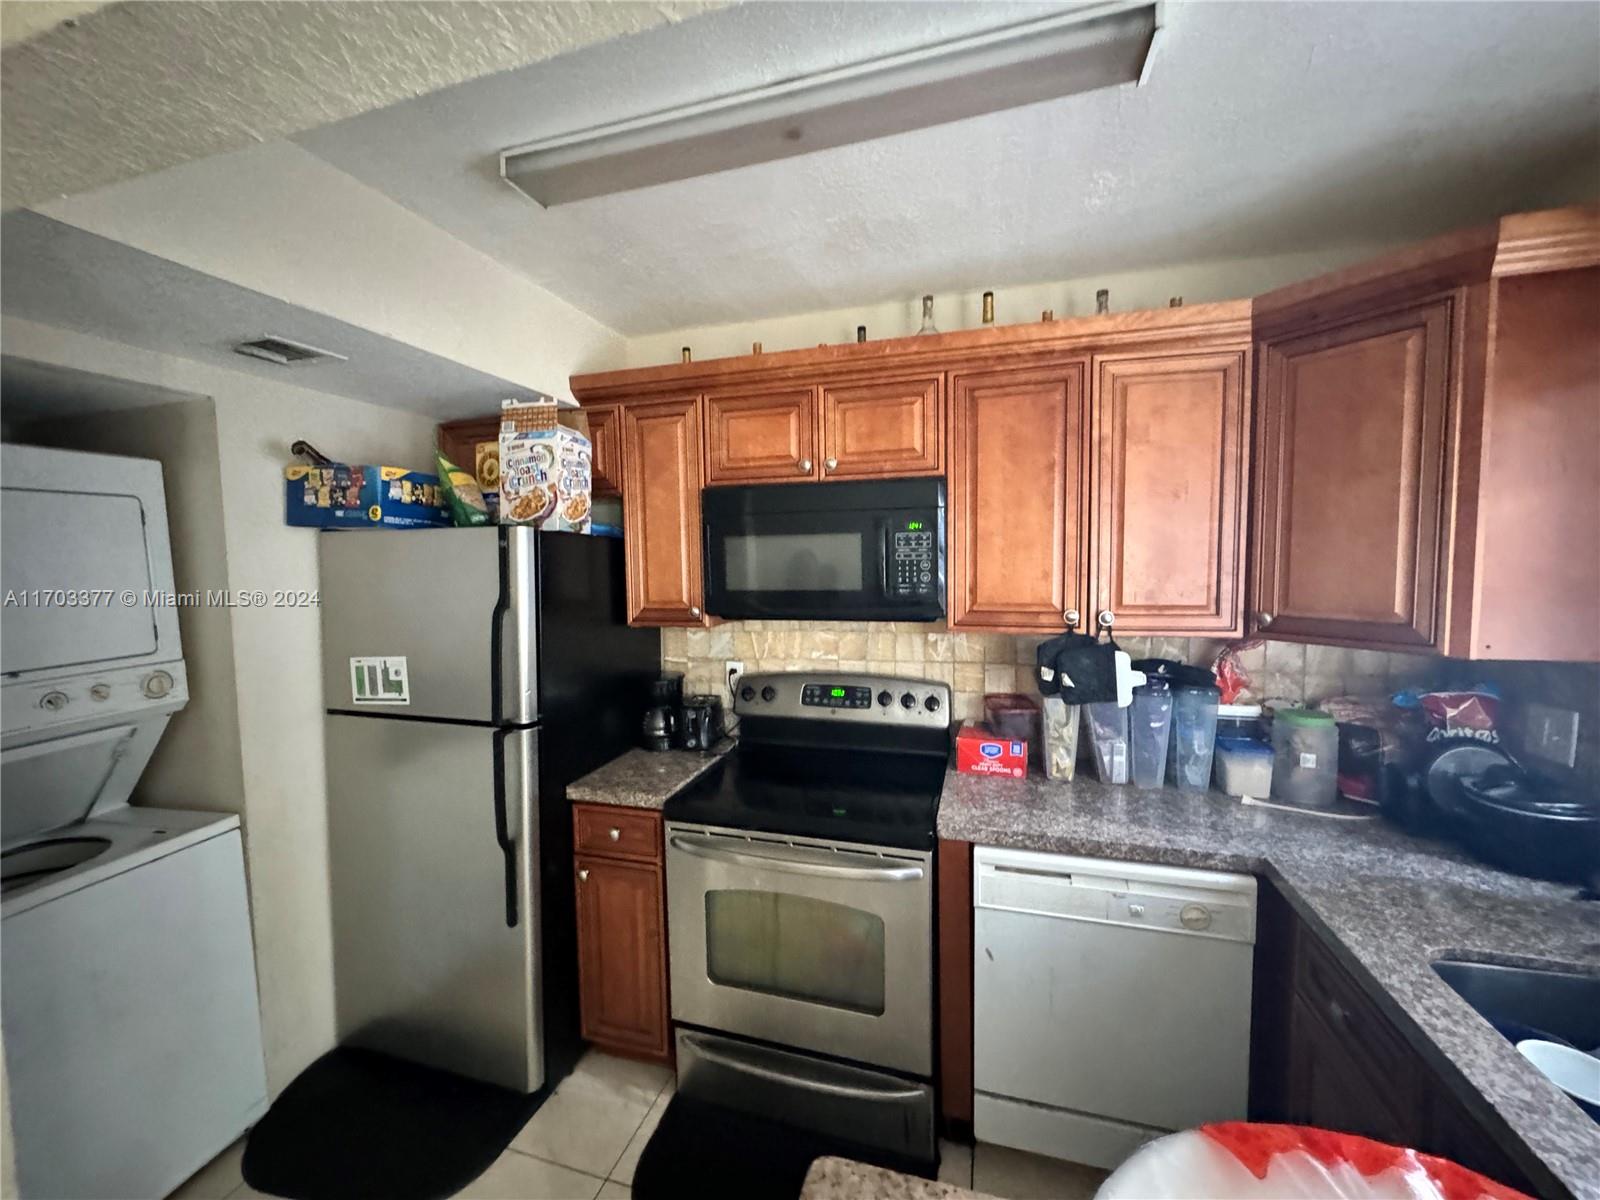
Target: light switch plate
[(1552, 734)]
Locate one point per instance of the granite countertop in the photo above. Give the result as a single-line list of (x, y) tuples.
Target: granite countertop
[(1386, 902), (844, 1179), (646, 778)]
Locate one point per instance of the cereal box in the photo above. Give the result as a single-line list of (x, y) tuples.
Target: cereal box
[(349, 496), (544, 469)]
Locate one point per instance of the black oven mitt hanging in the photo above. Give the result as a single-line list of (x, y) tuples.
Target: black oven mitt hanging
[(1078, 667)]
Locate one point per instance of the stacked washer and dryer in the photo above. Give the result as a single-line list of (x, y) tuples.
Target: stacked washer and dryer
[(127, 976)]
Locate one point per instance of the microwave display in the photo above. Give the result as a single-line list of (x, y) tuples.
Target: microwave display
[(869, 550)]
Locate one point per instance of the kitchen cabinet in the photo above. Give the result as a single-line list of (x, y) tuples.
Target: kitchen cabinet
[(1425, 429), (605, 436), (764, 437), (1016, 491), (661, 511), (622, 946), (877, 428), (1167, 525)]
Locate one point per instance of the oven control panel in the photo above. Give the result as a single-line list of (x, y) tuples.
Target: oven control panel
[(867, 699), (912, 569)]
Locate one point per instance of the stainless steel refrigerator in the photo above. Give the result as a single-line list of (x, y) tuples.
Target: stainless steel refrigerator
[(469, 676)]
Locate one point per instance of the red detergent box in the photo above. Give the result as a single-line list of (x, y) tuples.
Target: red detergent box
[(981, 752)]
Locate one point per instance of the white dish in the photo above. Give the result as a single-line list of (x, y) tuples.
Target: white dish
[(1572, 1070)]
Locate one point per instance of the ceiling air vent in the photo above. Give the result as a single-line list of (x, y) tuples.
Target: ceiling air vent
[(285, 352)]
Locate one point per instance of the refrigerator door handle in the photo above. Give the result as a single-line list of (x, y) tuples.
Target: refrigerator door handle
[(503, 834), (512, 667)]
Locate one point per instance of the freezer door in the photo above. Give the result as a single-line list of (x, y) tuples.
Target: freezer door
[(435, 623), (434, 856)]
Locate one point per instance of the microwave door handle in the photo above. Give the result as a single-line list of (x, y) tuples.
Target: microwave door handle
[(883, 559), (798, 861)]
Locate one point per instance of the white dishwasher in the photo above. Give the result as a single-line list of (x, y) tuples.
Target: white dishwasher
[(1111, 1001)]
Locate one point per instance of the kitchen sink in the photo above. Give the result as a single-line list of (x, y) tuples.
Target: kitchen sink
[(1525, 1002)]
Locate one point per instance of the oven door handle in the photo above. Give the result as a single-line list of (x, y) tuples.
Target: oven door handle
[(830, 864), (810, 1083)]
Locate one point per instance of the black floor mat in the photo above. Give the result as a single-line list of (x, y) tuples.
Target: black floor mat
[(705, 1150), (357, 1123)]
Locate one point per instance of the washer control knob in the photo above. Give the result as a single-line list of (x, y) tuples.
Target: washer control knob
[(769, 694), (157, 684), (100, 691), (53, 701), (931, 704), (747, 693), (908, 701), (1195, 916), (885, 699)]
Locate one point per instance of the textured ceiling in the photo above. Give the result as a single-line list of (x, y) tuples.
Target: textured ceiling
[(59, 275), (1262, 128), (142, 85)]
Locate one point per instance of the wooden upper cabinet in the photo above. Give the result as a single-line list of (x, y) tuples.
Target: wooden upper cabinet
[(1350, 479), (761, 437), (1168, 531), (1015, 497), (661, 511), (883, 428), (605, 435)]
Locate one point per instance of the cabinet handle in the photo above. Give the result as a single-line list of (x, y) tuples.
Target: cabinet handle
[(583, 874), (614, 834), (831, 463), (694, 611), (805, 466), (1107, 618), (1263, 619), (1071, 617)]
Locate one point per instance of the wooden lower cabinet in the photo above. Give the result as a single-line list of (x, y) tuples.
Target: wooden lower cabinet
[(1167, 526), (661, 511), (1016, 488), (622, 936)]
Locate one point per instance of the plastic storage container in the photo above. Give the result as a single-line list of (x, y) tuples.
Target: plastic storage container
[(1060, 756), (1014, 716), (1244, 767), (1152, 724), (1305, 763), (1194, 735), (1108, 730), (1241, 721)]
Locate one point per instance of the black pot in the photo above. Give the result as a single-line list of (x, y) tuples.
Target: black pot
[(1513, 822)]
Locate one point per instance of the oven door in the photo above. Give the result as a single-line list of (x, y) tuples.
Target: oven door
[(822, 946)]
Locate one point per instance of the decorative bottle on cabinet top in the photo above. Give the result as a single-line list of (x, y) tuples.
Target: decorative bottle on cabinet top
[(927, 316)]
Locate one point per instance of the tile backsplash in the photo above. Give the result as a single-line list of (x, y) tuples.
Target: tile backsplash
[(977, 663)]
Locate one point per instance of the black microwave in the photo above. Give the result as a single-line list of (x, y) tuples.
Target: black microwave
[(864, 551)]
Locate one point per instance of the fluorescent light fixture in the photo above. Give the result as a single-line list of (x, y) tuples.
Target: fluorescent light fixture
[(1088, 46)]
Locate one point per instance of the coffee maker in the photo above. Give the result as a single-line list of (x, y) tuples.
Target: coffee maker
[(663, 720)]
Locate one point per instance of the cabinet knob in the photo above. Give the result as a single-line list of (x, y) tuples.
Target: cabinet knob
[(1071, 617), (1263, 619), (831, 463), (694, 611), (805, 466), (1107, 618), (583, 874), (614, 834)]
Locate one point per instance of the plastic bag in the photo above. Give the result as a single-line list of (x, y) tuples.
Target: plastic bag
[(462, 495)]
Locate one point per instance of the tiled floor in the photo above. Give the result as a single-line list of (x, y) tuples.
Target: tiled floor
[(585, 1141)]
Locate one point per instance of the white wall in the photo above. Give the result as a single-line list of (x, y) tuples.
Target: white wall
[(1228, 279), (276, 653), (279, 220)]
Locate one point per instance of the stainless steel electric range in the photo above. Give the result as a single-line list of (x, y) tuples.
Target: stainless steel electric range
[(800, 909)]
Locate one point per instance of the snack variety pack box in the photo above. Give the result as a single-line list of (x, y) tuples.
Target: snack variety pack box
[(545, 469), (980, 752), (347, 496)]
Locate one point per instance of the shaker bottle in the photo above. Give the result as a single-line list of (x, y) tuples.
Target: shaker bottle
[(1152, 722), (1194, 734)]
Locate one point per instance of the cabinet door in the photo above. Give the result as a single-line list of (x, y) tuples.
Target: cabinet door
[(1016, 495), (1328, 1090), (661, 511), (622, 975), (883, 428), (605, 435), (761, 438), (1168, 527), (1350, 480)]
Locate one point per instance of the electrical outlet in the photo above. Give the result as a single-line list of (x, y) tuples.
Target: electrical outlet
[(732, 671), (1552, 734)]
